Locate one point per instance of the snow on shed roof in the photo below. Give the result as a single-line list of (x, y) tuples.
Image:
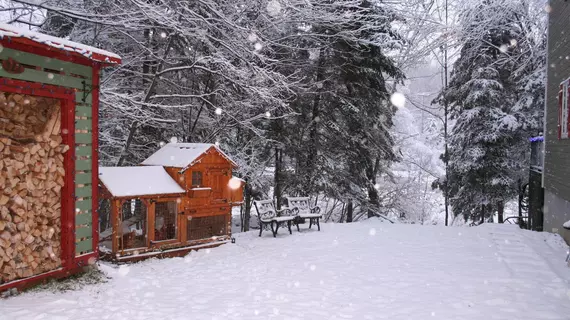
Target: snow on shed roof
[(138, 181), (8, 30), (182, 155)]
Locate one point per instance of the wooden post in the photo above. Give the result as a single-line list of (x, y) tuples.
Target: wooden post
[(150, 222), (115, 224)]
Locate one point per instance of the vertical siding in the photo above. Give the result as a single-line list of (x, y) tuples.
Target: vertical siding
[(83, 171), (557, 151)]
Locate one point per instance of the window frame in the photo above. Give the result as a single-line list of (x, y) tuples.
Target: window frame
[(201, 179)]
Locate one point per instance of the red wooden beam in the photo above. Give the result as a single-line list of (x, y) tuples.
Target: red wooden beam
[(27, 45), (68, 198)]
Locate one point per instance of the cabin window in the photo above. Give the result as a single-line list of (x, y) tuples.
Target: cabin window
[(563, 114), (165, 221), (196, 178)]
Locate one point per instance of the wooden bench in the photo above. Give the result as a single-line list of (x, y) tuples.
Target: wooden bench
[(268, 215), (305, 211)]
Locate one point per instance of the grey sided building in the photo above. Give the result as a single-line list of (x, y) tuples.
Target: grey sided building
[(556, 176)]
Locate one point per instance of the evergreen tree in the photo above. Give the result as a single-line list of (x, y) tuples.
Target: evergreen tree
[(483, 91)]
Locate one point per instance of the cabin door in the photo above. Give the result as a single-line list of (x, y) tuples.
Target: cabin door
[(218, 181)]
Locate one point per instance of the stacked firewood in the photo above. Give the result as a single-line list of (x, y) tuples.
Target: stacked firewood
[(31, 178)]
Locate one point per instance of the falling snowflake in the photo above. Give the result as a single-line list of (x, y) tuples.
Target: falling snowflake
[(163, 35), (252, 37), (64, 131), (398, 100), (174, 140), (503, 48), (268, 114), (234, 184), (273, 8), (91, 261), (11, 104), (217, 143), (314, 54), (50, 76), (372, 232), (313, 267), (547, 8), (26, 101), (513, 42), (376, 186), (218, 111), (258, 46), (162, 143), (1, 48)]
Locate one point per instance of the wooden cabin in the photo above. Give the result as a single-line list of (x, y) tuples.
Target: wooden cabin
[(178, 200), (49, 96)]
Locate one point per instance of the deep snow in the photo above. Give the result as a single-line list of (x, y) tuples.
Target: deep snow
[(368, 270)]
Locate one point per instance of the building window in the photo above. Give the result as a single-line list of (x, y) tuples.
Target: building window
[(196, 178), (563, 114)]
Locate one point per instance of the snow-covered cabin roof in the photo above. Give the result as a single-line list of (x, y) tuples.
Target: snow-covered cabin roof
[(182, 155), (138, 181), (8, 30)]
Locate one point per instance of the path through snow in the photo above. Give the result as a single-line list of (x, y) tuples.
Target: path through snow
[(368, 270)]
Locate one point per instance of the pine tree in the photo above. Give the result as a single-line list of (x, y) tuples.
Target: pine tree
[(482, 93)]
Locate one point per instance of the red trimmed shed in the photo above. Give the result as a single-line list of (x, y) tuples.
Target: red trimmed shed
[(49, 97)]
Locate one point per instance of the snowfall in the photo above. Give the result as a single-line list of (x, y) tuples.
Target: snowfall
[(367, 270)]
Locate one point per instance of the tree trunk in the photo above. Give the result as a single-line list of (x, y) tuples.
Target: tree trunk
[(149, 93), (500, 211), (314, 134), (372, 192), (349, 211), (374, 201), (522, 189), (247, 211), (277, 191), (482, 214)]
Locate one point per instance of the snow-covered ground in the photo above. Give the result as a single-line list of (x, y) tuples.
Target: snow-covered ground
[(368, 270)]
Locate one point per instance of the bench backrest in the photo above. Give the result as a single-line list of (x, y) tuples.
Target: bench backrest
[(301, 203), (265, 209)]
